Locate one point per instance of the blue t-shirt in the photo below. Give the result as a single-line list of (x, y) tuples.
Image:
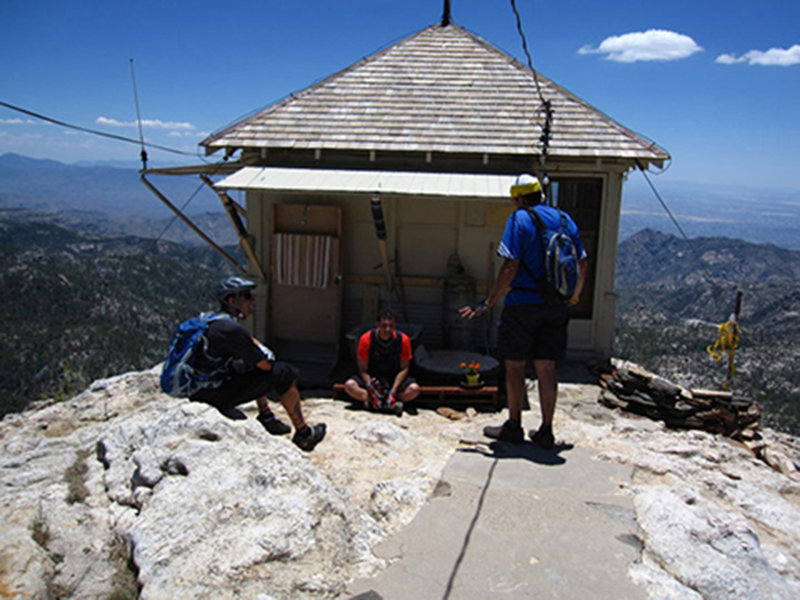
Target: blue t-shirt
[(521, 241)]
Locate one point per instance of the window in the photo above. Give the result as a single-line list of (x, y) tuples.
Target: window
[(581, 197)]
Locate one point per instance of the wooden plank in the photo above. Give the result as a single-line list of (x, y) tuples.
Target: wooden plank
[(711, 394), (440, 393)]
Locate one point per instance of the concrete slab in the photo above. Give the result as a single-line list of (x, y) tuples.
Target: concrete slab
[(515, 522)]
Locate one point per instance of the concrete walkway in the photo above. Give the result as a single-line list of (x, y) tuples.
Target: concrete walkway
[(512, 521)]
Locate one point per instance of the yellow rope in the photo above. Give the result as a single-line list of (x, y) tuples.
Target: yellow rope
[(727, 343)]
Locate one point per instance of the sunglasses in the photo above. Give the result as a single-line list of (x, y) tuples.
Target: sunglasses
[(246, 295)]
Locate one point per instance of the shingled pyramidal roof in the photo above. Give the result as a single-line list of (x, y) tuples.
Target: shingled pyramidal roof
[(440, 90)]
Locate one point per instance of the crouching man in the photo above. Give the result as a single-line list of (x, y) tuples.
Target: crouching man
[(384, 358), (252, 368)]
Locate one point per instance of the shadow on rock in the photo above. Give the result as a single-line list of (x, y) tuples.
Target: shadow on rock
[(526, 450)]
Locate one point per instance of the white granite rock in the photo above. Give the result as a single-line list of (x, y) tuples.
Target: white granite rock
[(210, 508)]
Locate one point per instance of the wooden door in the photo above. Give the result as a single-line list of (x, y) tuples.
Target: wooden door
[(305, 277)]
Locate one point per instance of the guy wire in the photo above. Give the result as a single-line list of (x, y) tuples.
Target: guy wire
[(525, 49), (93, 131)]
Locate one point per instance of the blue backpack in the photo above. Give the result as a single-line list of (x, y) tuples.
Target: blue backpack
[(179, 378), (560, 259)]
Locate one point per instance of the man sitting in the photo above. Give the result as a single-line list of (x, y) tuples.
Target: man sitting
[(253, 369), (384, 357)]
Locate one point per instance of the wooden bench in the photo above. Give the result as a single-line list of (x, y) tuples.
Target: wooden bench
[(430, 394)]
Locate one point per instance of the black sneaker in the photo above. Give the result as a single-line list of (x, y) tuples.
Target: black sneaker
[(308, 437), (232, 413), (398, 408), (273, 424), (543, 437), (510, 431)]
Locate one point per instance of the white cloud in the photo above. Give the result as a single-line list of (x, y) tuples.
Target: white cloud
[(774, 57), (653, 44), (17, 121), (149, 123), (189, 134), (728, 59)]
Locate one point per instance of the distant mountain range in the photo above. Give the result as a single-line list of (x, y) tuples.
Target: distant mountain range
[(51, 186), (756, 214), (107, 200), (651, 257)]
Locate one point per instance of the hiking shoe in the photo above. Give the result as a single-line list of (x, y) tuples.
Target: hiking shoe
[(308, 437), (232, 413), (543, 438), (510, 431), (273, 424), (398, 408)]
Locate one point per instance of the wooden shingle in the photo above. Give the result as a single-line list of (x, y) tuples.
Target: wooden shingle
[(440, 90)]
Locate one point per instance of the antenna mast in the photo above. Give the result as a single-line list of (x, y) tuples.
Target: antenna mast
[(143, 153), (446, 14)]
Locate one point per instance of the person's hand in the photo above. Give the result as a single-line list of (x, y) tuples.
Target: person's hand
[(574, 300), (470, 312)]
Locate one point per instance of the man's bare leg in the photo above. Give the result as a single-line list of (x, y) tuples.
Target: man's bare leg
[(548, 392), (290, 400), (547, 378), (515, 388), (355, 391)]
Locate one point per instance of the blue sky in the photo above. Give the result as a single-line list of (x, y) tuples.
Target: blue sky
[(714, 83)]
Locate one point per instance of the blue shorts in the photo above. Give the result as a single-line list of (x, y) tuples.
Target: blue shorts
[(533, 331)]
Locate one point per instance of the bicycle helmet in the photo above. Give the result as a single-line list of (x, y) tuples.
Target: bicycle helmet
[(231, 286)]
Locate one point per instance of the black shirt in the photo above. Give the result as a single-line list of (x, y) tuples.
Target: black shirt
[(229, 341)]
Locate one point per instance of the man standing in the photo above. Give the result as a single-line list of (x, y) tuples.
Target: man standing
[(384, 358), (252, 368), (531, 326)]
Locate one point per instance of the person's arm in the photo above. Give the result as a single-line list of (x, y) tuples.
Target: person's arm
[(400, 377), (504, 278), (362, 356), (362, 370), (583, 266), (266, 363)]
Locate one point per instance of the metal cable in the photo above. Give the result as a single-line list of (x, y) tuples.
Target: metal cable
[(112, 136), (546, 104)]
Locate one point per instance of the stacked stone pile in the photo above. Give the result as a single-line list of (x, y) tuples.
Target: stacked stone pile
[(628, 386)]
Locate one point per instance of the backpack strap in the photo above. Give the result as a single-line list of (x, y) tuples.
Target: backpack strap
[(209, 318), (540, 227)]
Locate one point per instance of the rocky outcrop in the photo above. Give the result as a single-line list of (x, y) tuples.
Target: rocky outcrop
[(715, 520), (123, 488), (124, 491)]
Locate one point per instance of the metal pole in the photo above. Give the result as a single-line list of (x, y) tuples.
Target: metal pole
[(735, 320), (192, 226), (241, 231)]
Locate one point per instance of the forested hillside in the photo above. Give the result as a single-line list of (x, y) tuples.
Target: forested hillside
[(673, 295), (78, 307)]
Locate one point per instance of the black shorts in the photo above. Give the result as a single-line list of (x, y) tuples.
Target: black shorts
[(248, 386), (537, 331)]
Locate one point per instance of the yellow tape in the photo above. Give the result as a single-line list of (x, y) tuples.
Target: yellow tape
[(727, 341)]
